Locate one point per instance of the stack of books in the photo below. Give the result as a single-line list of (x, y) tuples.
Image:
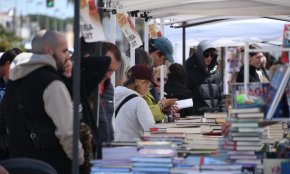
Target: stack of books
[(274, 132), (194, 134), (115, 160), (202, 164), (176, 138), (154, 157), (244, 140)]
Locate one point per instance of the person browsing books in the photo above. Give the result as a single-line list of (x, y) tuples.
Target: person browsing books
[(255, 63), (158, 108), (37, 105), (132, 114), (204, 80)]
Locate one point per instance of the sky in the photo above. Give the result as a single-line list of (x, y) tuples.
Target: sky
[(61, 8)]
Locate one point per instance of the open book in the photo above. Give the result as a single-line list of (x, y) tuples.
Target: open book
[(186, 103)]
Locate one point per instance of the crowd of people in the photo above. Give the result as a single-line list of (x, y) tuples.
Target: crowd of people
[(36, 113)]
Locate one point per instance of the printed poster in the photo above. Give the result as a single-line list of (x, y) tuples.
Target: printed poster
[(154, 31), (129, 30), (286, 43), (286, 36), (90, 23)]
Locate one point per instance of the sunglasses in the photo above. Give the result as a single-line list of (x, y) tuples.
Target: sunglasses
[(159, 79), (207, 54)]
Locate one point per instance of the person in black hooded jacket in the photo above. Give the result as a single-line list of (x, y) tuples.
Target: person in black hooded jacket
[(204, 80)]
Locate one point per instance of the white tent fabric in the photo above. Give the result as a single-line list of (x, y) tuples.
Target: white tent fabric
[(228, 33)]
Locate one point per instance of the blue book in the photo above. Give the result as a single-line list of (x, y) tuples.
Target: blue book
[(276, 106), (147, 164), (152, 159), (151, 169), (255, 89), (285, 167), (100, 169)]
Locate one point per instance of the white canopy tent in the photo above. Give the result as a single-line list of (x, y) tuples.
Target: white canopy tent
[(188, 13), (227, 33)]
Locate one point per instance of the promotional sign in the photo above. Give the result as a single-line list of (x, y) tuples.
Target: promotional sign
[(129, 30), (286, 36), (286, 43), (90, 23), (154, 31)]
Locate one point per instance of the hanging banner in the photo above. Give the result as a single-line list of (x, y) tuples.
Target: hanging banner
[(286, 36), (286, 43), (129, 30), (154, 31), (90, 23)]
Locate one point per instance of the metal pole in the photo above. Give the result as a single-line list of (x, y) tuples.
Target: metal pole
[(246, 67), (76, 86), (146, 36), (47, 22), (113, 25), (132, 51), (183, 42), (161, 82)]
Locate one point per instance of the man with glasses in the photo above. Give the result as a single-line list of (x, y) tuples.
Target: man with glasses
[(204, 80)]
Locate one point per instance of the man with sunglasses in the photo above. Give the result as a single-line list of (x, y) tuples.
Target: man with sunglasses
[(204, 80)]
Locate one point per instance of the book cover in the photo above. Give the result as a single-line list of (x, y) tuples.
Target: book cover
[(276, 106), (273, 166), (140, 164), (215, 115), (245, 110), (151, 159), (188, 130), (145, 152), (254, 90), (151, 169), (287, 91)]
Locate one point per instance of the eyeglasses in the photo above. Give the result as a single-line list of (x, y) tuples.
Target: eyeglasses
[(159, 79), (207, 54)]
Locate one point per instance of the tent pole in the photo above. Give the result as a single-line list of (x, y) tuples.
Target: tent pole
[(183, 41), (76, 86), (146, 36)]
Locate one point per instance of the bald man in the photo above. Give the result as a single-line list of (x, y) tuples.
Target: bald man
[(37, 105)]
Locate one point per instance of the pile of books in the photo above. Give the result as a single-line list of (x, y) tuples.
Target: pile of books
[(274, 132), (202, 164), (115, 160), (154, 157), (244, 141)]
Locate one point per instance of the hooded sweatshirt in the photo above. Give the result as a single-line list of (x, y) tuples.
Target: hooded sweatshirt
[(56, 98), (134, 116), (204, 81)]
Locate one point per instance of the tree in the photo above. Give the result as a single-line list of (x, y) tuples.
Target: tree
[(8, 40)]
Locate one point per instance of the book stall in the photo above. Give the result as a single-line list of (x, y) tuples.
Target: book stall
[(195, 144), (256, 143)]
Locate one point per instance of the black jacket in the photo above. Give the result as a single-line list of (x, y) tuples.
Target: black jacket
[(253, 75), (31, 130), (204, 82), (106, 113), (174, 89), (93, 69)]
